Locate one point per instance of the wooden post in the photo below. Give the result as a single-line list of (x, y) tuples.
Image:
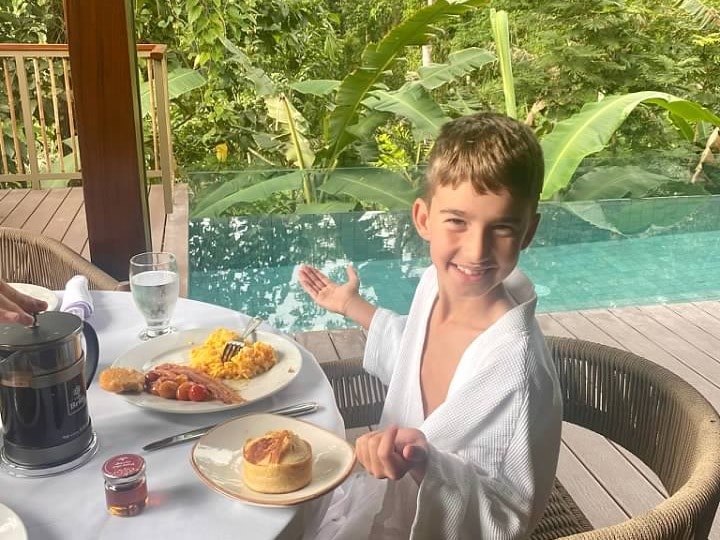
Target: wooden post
[(103, 62)]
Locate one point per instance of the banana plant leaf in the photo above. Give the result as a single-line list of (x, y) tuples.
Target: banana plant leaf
[(501, 36), (378, 185), (615, 183), (460, 63), (635, 216), (319, 87), (590, 130), (377, 59), (297, 151), (333, 207), (367, 125), (413, 102), (235, 191), (180, 81), (263, 85), (638, 215)]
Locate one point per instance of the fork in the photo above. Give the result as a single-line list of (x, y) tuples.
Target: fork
[(233, 346)]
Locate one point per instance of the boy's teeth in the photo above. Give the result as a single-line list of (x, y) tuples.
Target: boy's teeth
[(469, 271)]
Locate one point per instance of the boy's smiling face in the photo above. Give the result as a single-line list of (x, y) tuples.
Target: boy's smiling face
[(475, 239)]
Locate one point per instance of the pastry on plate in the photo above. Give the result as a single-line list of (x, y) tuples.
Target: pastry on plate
[(122, 380), (277, 462)]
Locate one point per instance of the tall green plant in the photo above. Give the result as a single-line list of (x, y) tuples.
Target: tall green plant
[(359, 104), (501, 36)]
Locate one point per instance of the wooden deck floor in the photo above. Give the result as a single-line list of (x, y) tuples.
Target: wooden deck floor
[(607, 482), (60, 214)]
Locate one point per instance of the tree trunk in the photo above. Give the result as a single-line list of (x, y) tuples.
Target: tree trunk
[(427, 49)]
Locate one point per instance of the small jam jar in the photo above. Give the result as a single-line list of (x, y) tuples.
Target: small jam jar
[(125, 484)]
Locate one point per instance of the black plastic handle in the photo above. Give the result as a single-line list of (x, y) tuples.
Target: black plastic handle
[(92, 352)]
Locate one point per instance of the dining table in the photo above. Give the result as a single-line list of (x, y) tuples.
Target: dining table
[(71, 505)]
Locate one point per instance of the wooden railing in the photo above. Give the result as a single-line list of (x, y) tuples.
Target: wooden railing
[(38, 136)]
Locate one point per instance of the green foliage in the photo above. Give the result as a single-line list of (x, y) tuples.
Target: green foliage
[(360, 104), (705, 15), (32, 21), (272, 97), (570, 53), (591, 129), (283, 37)]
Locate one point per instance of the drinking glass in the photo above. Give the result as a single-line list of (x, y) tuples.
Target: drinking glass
[(155, 286)]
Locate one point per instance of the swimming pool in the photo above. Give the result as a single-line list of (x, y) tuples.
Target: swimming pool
[(585, 255)]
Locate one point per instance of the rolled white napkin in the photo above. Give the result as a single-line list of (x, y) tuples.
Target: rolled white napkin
[(77, 299)]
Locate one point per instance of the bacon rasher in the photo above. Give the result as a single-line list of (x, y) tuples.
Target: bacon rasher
[(216, 388)]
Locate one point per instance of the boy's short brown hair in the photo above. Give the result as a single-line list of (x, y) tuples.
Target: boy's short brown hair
[(492, 151)]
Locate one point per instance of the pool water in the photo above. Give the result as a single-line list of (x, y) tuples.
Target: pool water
[(250, 263)]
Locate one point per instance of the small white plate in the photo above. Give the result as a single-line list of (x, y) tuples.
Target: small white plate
[(11, 528), (36, 291), (217, 458), (175, 348)]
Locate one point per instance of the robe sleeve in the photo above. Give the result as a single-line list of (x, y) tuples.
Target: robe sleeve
[(383, 343), (496, 481)]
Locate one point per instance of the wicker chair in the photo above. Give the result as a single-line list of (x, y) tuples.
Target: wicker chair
[(647, 409), (27, 257)]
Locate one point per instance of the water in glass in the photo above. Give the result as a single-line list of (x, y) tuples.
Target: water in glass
[(155, 287)]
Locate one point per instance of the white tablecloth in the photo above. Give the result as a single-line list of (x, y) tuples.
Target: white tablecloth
[(71, 506)]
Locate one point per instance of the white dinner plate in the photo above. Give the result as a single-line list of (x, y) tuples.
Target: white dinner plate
[(218, 455), (36, 291), (11, 528), (175, 348)]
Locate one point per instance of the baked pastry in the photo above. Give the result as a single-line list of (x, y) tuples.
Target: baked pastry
[(278, 462), (122, 380)]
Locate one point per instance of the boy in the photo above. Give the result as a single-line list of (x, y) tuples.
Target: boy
[(470, 432)]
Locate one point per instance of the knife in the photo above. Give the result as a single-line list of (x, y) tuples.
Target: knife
[(292, 410)]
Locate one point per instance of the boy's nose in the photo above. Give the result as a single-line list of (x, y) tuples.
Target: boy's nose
[(476, 249)]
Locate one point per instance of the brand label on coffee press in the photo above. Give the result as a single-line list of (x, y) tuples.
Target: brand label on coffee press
[(76, 397)]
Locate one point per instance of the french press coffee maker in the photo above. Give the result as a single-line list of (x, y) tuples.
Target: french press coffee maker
[(44, 375)]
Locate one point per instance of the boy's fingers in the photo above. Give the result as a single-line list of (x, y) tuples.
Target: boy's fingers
[(414, 453), (352, 274), (309, 281), (391, 462)]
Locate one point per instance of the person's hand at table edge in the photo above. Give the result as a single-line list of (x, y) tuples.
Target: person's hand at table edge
[(16, 307)]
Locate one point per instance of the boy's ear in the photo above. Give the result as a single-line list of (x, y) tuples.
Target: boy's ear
[(532, 229), (420, 214)]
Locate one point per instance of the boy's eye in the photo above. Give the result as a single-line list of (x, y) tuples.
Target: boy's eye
[(505, 230), (455, 221)]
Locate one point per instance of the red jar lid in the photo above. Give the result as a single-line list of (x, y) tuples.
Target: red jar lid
[(123, 467)]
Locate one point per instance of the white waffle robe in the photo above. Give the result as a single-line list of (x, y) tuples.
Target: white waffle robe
[(494, 442)]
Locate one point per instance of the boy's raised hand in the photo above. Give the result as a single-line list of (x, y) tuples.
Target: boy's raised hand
[(393, 453), (343, 298), (325, 292)]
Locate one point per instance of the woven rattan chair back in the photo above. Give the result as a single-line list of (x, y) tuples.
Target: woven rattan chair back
[(642, 406), (27, 257)]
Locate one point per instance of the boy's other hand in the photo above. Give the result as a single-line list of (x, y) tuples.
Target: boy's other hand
[(393, 453), (325, 292), (16, 307)]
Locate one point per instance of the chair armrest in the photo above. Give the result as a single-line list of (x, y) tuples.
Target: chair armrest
[(359, 395), (123, 286)]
